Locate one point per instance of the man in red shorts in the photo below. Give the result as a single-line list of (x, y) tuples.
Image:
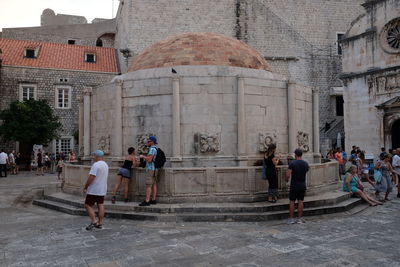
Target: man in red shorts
[(96, 189)]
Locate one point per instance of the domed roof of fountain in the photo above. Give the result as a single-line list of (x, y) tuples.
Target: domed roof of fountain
[(196, 49)]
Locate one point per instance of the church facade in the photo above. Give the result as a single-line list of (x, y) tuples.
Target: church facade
[(371, 74)]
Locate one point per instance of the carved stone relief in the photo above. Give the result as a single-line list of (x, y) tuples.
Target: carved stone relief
[(266, 139), (383, 83), (207, 143), (141, 140), (303, 141), (104, 144)]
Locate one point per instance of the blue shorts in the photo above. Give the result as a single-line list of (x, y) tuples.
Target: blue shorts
[(124, 173), (354, 189)]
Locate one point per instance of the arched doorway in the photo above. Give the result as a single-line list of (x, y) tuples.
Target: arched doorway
[(396, 134)]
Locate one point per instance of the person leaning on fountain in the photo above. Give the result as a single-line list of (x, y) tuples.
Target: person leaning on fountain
[(124, 175), (95, 189), (151, 173)]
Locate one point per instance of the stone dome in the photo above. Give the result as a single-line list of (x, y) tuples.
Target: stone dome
[(48, 12), (199, 49)]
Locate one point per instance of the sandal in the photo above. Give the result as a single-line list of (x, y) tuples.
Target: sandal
[(90, 227), (98, 226)]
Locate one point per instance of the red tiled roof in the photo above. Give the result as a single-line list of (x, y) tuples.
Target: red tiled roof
[(58, 56)]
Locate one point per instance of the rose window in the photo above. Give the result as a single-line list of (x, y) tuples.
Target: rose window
[(393, 36)]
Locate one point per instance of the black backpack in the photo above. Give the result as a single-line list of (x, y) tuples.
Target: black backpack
[(160, 159)]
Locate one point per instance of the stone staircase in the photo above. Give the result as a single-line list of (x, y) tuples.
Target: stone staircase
[(328, 203)]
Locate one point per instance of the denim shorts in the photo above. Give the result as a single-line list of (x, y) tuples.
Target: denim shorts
[(124, 173)]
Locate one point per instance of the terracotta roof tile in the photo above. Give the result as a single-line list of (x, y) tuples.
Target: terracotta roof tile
[(199, 49), (57, 56)]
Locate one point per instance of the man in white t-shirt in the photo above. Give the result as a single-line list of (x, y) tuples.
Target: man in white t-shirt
[(96, 189), (3, 163), (396, 167)]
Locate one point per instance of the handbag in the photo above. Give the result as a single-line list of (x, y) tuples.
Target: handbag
[(264, 171), (142, 163), (377, 176)]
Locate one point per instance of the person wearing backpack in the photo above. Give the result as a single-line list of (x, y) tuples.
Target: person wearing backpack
[(151, 173)]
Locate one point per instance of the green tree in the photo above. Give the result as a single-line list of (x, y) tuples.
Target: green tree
[(30, 122)]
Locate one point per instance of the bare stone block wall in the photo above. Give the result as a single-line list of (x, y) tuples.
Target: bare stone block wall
[(83, 34), (102, 107)]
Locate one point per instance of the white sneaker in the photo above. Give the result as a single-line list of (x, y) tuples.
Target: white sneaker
[(300, 221), (291, 221)]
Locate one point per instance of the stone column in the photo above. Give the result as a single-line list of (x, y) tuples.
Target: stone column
[(86, 118), (241, 133), (315, 115), (291, 100), (81, 126), (176, 119), (116, 148), (383, 140)]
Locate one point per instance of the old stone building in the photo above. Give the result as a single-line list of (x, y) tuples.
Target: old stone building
[(297, 37), (371, 73), (57, 73), (67, 29)]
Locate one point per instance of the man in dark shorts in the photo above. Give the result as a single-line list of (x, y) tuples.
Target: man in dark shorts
[(96, 189), (297, 172)]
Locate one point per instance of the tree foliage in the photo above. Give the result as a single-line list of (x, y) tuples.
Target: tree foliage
[(31, 122)]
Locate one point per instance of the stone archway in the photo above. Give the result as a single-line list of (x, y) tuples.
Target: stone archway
[(396, 134), (392, 129)]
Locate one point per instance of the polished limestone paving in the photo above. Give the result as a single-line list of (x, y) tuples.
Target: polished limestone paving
[(33, 236)]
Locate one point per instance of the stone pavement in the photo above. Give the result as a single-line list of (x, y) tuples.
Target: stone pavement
[(33, 236)]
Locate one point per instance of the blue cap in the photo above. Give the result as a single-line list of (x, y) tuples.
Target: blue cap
[(98, 153), (154, 139)]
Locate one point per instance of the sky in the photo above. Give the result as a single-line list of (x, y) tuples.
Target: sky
[(26, 13)]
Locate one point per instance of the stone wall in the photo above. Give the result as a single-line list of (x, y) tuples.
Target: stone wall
[(49, 18), (83, 34), (297, 37), (102, 118), (208, 113), (46, 81), (229, 184), (371, 73)]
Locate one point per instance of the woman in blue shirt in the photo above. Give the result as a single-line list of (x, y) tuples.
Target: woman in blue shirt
[(352, 185)]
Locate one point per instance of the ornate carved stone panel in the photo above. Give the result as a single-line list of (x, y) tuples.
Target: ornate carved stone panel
[(207, 143), (266, 139), (383, 83), (104, 144), (141, 140), (303, 141)]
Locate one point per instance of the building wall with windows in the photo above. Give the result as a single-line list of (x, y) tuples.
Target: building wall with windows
[(57, 74), (61, 89), (371, 74)]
